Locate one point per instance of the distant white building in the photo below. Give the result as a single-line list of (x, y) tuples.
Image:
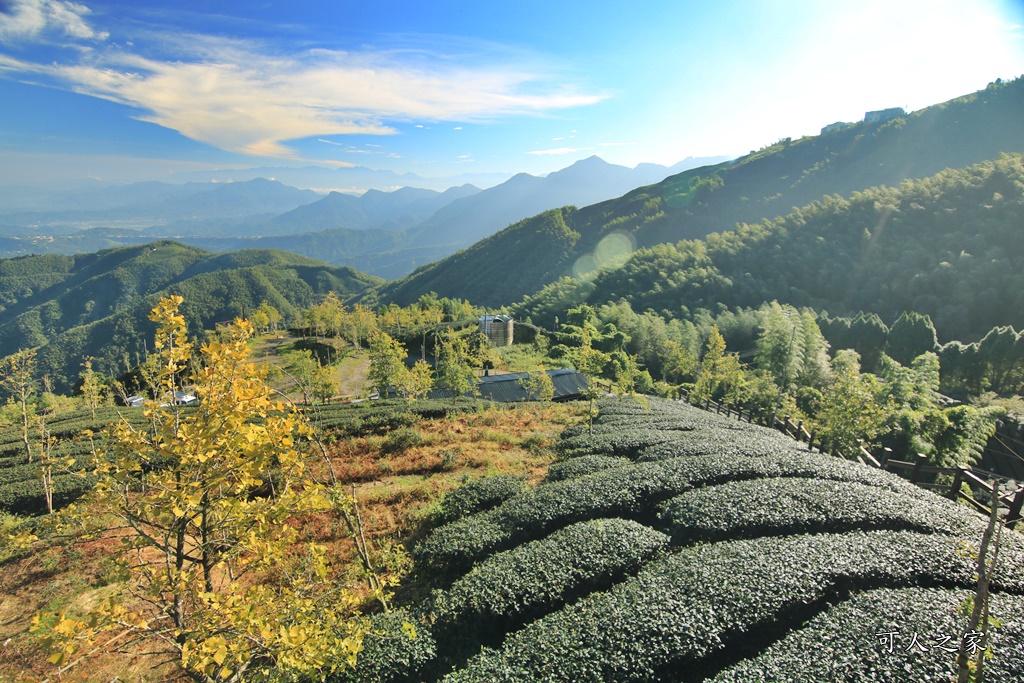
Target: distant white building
[(884, 115), (835, 127), (498, 328)]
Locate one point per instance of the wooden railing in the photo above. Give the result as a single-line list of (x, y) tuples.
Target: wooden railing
[(916, 471)]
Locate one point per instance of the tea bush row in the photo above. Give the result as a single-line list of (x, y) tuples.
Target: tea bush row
[(846, 642), (477, 496), (583, 465), (776, 506), (391, 652), (680, 614), (382, 417), (624, 442), (632, 492), (26, 497), (720, 442), (519, 585)]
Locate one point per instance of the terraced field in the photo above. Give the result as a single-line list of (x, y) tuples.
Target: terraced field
[(677, 545)]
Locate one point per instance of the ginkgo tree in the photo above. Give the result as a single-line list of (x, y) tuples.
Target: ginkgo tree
[(220, 580)]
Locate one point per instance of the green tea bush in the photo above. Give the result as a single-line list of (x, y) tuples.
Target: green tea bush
[(618, 442), (26, 497), (775, 506), (402, 439), (382, 417), (583, 465), (844, 645), (477, 496), (519, 585), (716, 440), (391, 652), (680, 615), (633, 492)]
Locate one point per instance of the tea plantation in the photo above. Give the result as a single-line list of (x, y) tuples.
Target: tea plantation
[(671, 544)]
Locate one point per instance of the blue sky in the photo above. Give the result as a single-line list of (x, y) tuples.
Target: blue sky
[(137, 90)]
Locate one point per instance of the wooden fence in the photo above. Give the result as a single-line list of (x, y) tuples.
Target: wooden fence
[(917, 471)]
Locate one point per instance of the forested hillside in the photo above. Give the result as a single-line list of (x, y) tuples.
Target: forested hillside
[(96, 305), (761, 185), (950, 246)]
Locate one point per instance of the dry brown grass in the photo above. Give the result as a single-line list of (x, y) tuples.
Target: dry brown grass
[(397, 487)]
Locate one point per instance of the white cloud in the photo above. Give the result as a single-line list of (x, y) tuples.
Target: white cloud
[(243, 97), (560, 150), (458, 128), (27, 19)]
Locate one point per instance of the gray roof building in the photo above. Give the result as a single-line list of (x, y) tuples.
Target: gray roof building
[(568, 385)]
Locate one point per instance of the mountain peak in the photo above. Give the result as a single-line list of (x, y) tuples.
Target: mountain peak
[(592, 160)]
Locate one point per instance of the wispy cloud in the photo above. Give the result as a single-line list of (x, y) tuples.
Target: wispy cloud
[(349, 149), (35, 19), (560, 150), (249, 98)]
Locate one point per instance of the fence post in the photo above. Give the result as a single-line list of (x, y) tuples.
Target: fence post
[(810, 441), (958, 480), (884, 458), (1013, 516), (915, 474)]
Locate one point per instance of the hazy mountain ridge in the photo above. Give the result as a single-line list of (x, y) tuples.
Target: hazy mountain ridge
[(398, 210), (764, 184), (589, 181), (427, 225), (147, 204)]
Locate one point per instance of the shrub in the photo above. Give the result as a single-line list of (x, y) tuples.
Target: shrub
[(846, 646), (518, 585), (632, 491), (390, 652), (402, 439), (478, 495), (583, 465), (679, 615), (762, 507), (26, 497)]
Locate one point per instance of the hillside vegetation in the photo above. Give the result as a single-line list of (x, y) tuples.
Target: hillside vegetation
[(764, 184), (96, 305), (950, 246), (663, 561)]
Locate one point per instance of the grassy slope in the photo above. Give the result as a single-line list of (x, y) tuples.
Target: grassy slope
[(399, 479)]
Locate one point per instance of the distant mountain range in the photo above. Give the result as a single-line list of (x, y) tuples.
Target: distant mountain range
[(591, 180), (426, 224), (348, 180), (528, 255)]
